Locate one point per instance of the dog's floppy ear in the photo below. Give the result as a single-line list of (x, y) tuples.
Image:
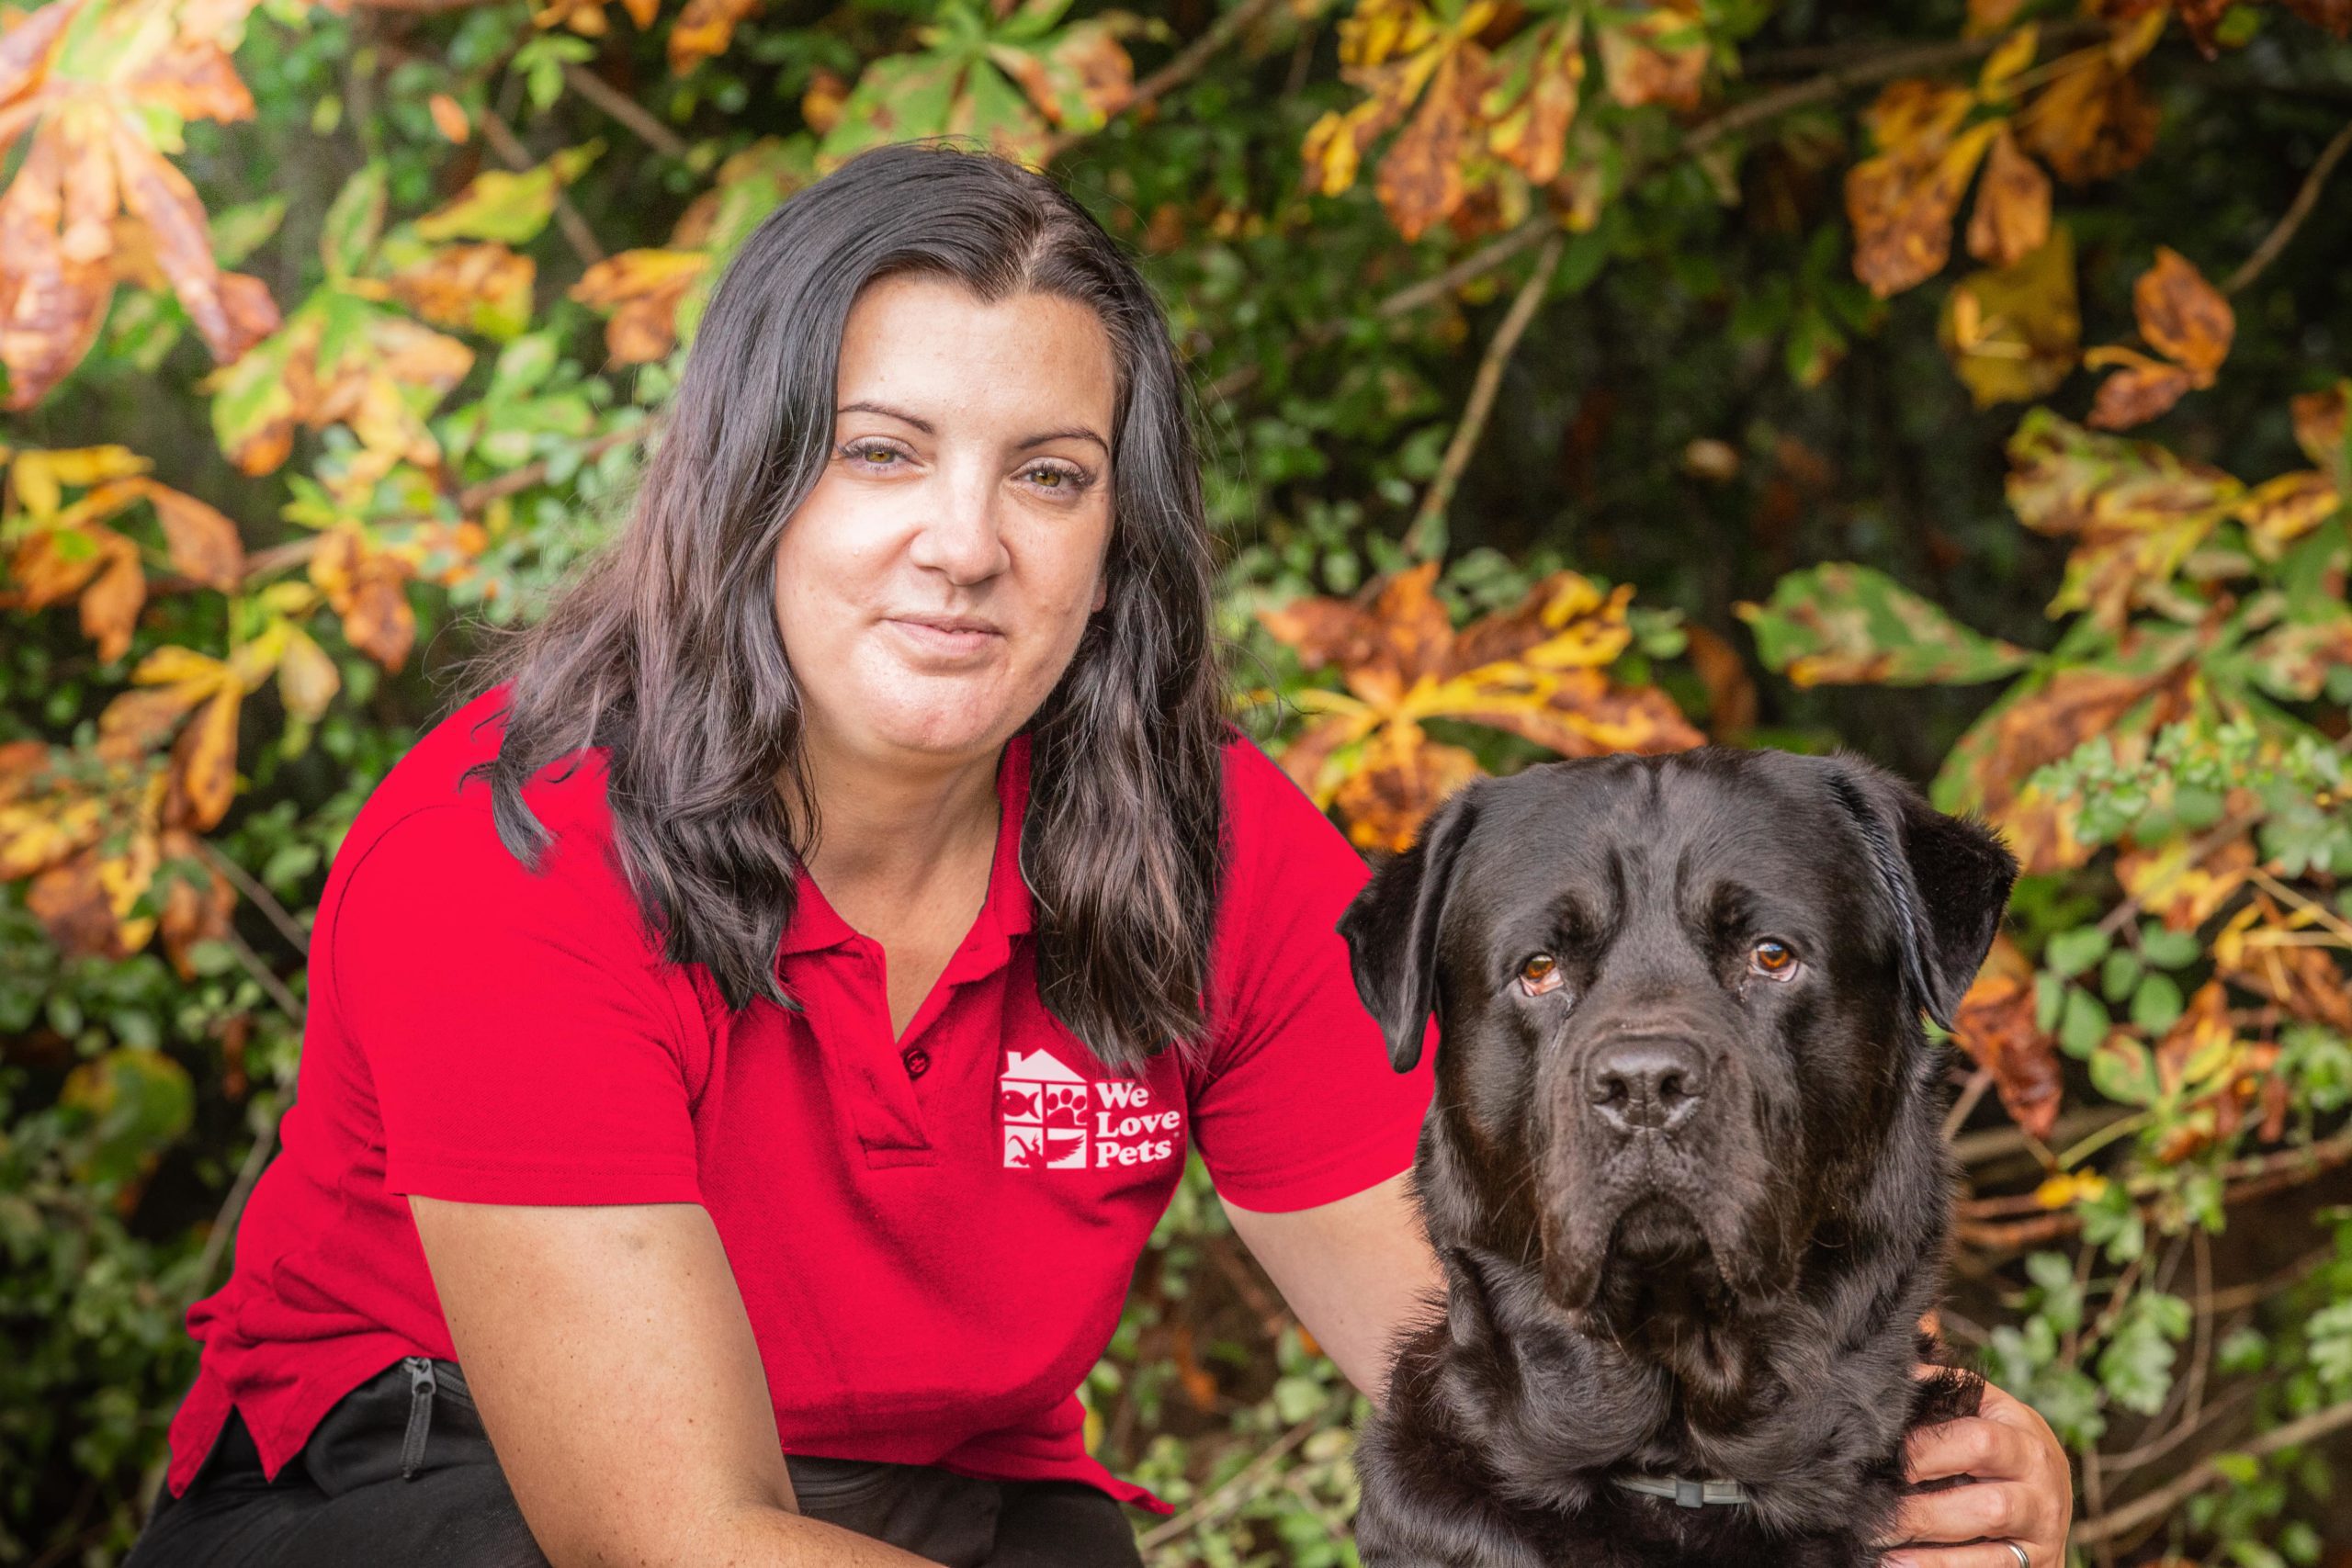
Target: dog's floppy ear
[(1947, 877), (1391, 927)]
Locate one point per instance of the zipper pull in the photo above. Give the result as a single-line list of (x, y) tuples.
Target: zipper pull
[(419, 1413)]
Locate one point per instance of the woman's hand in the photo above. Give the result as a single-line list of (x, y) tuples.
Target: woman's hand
[(2020, 1490)]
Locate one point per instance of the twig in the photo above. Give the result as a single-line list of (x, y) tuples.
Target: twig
[(1235, 1491), (1978, 1082), (474, 497), (1186, 65), (232, 1208), (2299, 209), (2255, 1177), (623, 107), (515, 155), (260, 898), (2148, 1453), (2107, 1527), (1482, 398)]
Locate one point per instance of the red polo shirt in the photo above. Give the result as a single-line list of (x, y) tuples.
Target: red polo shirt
[(932, 1235)]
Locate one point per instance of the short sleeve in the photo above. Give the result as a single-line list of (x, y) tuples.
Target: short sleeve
[(1298, 1104), (522, 1047)]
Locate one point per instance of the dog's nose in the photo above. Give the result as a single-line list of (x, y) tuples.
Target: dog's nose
[(1650, 1084)]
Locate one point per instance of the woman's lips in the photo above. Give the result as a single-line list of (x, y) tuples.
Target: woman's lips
[(938, 642)]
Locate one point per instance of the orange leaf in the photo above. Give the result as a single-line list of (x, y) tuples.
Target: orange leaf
[(110, 605), (202, 543), (2094, 121), (190, 915), (1404, 776), (1903, 202), (2012, 217), (1641, 69), (2183, 316), (1420, 182), (2143, 388), (203, 760), (1995, 1024)]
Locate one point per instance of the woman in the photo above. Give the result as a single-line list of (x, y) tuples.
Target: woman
[(774, 1156)]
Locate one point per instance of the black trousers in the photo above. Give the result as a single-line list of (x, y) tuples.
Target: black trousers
[(401, 1472)]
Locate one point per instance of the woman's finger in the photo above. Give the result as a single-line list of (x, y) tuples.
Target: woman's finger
[(1977, 1446), (1982, 1554), (1981, 1509)]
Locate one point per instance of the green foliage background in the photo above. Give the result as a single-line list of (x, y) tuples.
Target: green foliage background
[(1705, 403)]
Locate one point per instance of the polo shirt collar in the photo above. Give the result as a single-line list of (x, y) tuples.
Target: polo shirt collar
[(1005, 911)]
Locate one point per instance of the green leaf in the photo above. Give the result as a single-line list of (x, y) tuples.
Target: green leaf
[(355, 219), (2072, 951), (2156, 1003), (2083, 1025), (1844, 624)]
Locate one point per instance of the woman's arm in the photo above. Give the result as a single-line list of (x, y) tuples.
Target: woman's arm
[(614, 1369), (1356, 1271)]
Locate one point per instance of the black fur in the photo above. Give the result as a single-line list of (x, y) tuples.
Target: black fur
[(1731, 1290)]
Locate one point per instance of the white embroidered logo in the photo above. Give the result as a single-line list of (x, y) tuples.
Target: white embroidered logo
[(1051, 1121)]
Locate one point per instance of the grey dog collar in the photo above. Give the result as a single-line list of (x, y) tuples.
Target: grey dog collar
[(1683, 1491)]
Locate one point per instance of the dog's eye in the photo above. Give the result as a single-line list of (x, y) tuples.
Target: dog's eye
[(1540, 974), (1774, 959)]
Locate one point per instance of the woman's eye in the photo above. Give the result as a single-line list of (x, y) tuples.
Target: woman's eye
[(1049, 478), (861, 452), (1772, 959), (1540, 974)]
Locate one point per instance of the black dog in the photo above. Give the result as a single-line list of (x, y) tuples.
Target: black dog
[(1684, 1167)]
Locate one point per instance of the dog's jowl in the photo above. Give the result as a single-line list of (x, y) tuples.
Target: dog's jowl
[(1684, 1167)]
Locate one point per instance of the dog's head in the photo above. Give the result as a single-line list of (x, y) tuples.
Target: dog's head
[(1677, 999)]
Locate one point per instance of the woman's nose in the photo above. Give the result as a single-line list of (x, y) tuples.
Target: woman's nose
[(959, 530)]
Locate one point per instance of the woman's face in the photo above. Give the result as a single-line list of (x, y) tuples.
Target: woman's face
[(969, 480)]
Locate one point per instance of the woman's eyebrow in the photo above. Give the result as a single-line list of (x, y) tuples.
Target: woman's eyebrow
[(1075, 432)]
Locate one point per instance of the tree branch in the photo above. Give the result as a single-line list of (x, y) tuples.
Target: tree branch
[(1482, 399), (2299, 209), (1187, 64), (623, 107), (2161, 1501)]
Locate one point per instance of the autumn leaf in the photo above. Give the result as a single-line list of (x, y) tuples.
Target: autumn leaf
[(2094, 120), (1994, 1025), (2184, 897), (2134, 510), (2184, 318), (99, 99), (1537, 670), (1658, 57), (1846, 624), (193, 912), (367, 586), (2280, 510), (2320, 429), (703, 31), (2267, 951), (482, 287), (509, 206), (2012, 217), (2013, 332), (1902, 201), (1530, 99)]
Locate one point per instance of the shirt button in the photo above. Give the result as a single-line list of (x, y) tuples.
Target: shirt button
[(917, 1061)]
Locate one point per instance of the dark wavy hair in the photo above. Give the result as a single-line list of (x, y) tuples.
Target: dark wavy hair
[(664, 648)]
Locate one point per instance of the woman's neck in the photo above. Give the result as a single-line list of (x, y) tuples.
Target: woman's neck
[(891, 829)]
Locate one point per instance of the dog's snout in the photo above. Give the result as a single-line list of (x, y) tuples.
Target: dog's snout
[(1650, 1084)]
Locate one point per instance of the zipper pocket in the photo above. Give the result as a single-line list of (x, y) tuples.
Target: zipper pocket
[(419, 1413)]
